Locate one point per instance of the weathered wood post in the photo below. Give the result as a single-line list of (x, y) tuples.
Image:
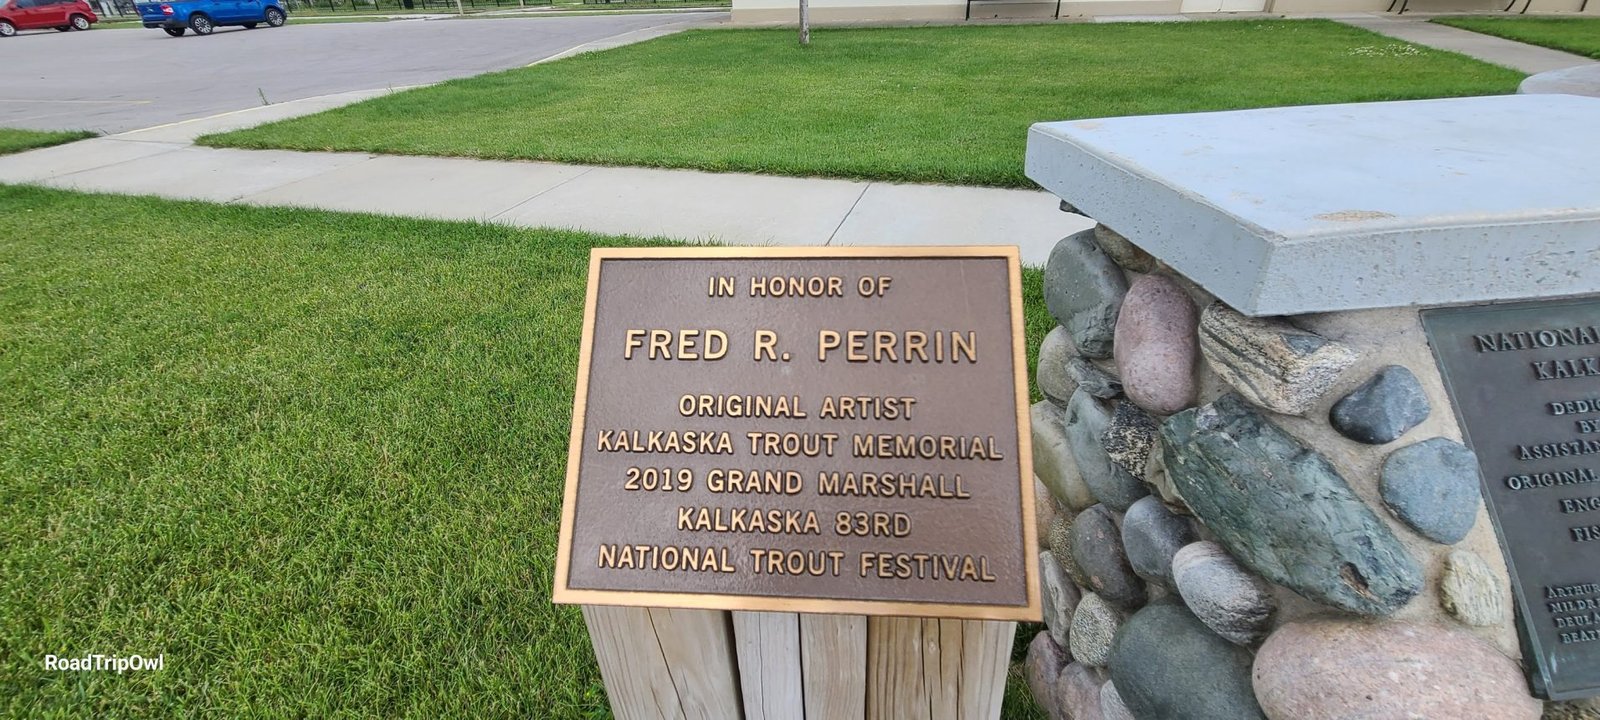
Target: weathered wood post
[(799, 482)]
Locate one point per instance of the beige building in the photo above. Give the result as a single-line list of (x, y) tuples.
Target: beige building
[(825, 11)]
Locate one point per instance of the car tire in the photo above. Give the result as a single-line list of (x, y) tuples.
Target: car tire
[(249, 26), (175, 32), (275, 17), (201, 25), (79, 22), (7, 29)]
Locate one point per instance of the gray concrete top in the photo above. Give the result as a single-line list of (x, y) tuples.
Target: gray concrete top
[(1338, 207)]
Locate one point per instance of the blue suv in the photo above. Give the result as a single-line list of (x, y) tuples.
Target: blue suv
[(204, 16)]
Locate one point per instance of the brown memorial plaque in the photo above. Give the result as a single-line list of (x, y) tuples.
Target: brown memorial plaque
[(838, 430), (1525, 379)]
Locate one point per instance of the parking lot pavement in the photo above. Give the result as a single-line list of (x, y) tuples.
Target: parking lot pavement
[(126, 79)]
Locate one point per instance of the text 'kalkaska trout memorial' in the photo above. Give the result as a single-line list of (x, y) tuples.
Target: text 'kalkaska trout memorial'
[(828, 430)]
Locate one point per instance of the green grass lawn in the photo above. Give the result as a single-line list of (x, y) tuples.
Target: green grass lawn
[(1574, 35), (315, 459), (949, 104), (14, 140)]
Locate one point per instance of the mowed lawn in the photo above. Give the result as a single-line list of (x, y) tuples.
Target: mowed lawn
[(314, 459), (948, 104), (1574, 35), (16, 140)]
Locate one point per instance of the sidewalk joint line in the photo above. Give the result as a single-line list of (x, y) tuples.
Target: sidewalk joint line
[(100, 167), (242, 198), (539, 194), (847, 214)]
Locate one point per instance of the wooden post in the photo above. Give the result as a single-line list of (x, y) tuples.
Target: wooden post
[(833, 653), (769, 665), (688, 664), (665, 664), (933, 669)]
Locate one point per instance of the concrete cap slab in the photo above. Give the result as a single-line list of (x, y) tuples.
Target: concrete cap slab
[(1338, 207)]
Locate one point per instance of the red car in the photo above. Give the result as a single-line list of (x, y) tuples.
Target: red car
[(62, 15)]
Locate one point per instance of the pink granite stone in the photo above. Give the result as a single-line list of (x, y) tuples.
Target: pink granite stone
[(1157, 346), (1345, 669)]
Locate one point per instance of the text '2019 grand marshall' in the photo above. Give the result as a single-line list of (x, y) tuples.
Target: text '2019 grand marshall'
[(817, 430)]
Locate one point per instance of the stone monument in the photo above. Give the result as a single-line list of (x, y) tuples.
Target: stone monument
[(1321, 413)]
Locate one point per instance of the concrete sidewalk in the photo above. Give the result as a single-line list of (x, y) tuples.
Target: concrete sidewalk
[(1530, 59), (731, 208)]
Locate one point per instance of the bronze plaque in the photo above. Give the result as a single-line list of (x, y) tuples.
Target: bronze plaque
[(1525, 380), (838, 430)]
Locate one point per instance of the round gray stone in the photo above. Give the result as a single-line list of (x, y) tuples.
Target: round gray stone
[(1083, 290), (1470, 591), (1383, 408), (1122, 251), (1060, 597), (1093, 380), (1167, 665), (1151, 536), (1111, 705), (1094, 628), (1097, 550), (1052, 378), (1087, 420), (1042, 667), (1053, 460), (1231, 601), (1077, 693), (1061, 549), (1432, 486)]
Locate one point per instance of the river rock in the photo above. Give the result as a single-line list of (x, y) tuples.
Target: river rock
[(1061, 549), (1083, 290), (1087, 420), (1470, 591), (1041, 668), (1156, 346), (1342, 669), (1151, 536), (1432, 486), (1055, 383), (1282, 509), (1111, 705), (1077, 693), (1382, 409), (1053, 462), (1122, 251), (1232, 602), (1094, 627), (1161, 485), (1269, 362), (1060, 597), (1091, 379), (1097, 549), (1045, 510), (1130, 439), (1167, 665)]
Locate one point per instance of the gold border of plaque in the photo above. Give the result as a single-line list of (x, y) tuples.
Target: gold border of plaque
[(562, 594)]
